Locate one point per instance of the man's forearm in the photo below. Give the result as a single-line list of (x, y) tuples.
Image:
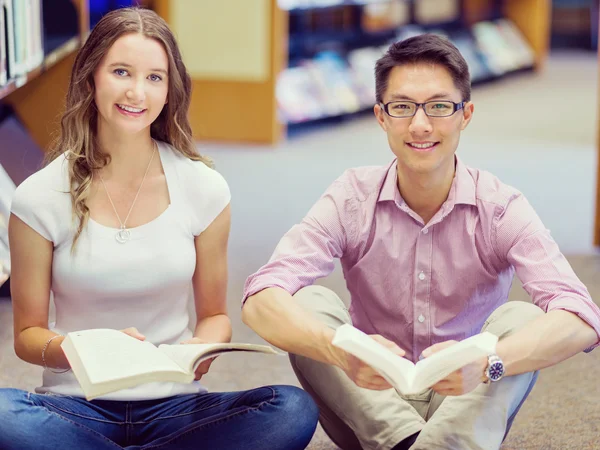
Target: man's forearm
[(546, 341), (273, 315)]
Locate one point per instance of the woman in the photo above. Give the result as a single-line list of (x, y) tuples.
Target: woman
[(124, 218)]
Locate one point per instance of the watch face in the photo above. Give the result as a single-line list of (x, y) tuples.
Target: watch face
[(496, 371)]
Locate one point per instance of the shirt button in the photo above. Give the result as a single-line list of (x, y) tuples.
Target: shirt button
[(421, 276), (421, 318), (425, 230)]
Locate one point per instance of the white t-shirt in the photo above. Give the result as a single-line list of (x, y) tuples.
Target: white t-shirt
[(143, 283)]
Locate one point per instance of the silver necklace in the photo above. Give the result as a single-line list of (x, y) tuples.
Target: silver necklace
[(123, 235)]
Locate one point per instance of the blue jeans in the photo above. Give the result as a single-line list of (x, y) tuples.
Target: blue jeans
[(271, 417)]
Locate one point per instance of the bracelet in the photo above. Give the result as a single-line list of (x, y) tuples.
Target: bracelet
[(44, 355)]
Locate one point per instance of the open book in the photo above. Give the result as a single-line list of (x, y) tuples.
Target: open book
[(105, 360), (408, 378)]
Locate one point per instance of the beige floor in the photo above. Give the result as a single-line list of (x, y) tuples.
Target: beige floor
[(536, 131)]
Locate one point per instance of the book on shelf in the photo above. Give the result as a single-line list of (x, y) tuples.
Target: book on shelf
[(522, 51), (21, 45), (297, 96), (7, 7), (3, 48)]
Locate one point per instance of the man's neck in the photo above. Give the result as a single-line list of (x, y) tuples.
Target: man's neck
[(425, 193)]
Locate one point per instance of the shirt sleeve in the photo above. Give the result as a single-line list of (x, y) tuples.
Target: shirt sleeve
[(308, 250), (208, 194), (32, 205), (546, 275)]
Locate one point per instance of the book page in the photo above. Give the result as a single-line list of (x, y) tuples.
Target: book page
[(397, 371), (439, 365), (110, 355), (188, 356)]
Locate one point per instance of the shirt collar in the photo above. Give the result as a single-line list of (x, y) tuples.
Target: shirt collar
[(389, 190), (463, 185), (462, 190)]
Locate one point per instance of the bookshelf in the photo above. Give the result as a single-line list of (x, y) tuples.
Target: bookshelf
[(37, 96), (258, 120), (532, 17), (49, 61)]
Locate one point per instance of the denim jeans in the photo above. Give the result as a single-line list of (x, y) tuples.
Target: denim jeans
[(270, 417)]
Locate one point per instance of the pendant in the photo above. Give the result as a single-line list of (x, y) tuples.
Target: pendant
[(123, 235)]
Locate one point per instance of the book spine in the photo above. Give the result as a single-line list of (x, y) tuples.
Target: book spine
[(3, 47), (10, 38)]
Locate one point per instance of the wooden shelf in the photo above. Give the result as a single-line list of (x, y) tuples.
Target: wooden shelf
[(213, 113), (50, 60)]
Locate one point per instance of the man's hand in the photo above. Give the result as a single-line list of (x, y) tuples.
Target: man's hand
[(203, 367), (364, 375), (461, 381)]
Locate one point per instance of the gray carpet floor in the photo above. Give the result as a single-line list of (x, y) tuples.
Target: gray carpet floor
[(535, 131)]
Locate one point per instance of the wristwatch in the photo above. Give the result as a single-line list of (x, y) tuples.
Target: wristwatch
[(495, 368)]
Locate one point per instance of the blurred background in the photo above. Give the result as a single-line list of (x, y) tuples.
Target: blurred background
[(283, 92)]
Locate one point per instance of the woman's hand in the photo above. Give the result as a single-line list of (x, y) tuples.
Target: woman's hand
[(133, 332), (203, 367)]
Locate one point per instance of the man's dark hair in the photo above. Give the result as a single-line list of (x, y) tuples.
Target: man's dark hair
[(425, 48)]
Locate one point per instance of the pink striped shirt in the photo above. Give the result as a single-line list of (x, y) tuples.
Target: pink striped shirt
[(422, 284)]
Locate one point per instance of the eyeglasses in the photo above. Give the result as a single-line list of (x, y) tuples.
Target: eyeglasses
[(406, 109)]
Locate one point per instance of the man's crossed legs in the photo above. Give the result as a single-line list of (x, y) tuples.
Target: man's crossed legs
[(358, 418)]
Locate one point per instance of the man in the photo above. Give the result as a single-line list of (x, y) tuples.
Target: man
[(428, 248)]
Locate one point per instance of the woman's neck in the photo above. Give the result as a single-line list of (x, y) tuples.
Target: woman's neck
[(129, 154)]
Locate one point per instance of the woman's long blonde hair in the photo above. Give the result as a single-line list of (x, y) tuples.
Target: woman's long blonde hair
[(78, 135)]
